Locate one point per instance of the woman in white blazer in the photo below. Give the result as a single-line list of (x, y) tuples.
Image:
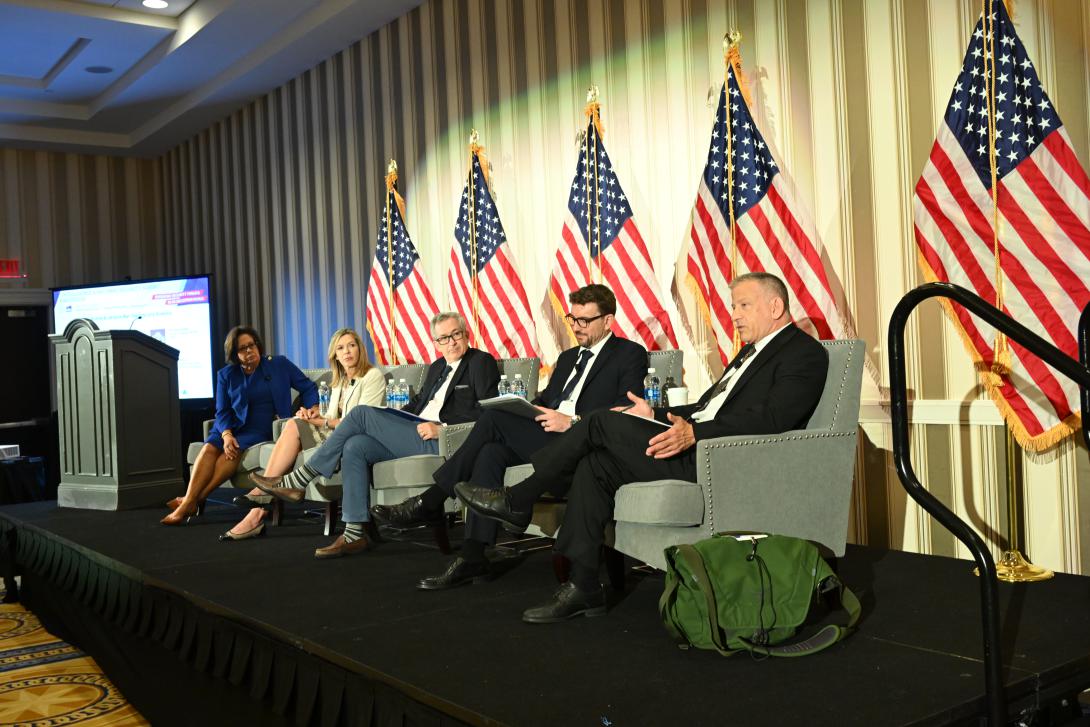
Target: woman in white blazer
[(355, 381)]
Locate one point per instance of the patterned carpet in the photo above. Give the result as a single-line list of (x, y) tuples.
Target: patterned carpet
[(46, 682)]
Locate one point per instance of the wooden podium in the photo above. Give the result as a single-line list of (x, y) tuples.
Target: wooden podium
[(118, 420)]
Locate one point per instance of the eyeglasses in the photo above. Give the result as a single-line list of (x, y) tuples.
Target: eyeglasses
[(247, 347), (456, 336), (582, 322)]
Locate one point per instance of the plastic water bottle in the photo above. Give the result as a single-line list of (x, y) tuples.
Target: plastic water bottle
[(323, 399), (391, 393), (402, 394), (652, 389), (504, 387), (519, 387)]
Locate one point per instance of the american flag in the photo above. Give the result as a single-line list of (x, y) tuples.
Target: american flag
[(773, 231), (601, 244), (413, 305), (1044, 226), (483, 281)]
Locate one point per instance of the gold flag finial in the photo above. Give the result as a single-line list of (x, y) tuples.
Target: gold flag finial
[(391, 168), (474, 137), (731, 39), (592, 94)]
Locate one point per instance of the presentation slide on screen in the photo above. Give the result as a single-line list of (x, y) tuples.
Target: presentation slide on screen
[(174, 311)]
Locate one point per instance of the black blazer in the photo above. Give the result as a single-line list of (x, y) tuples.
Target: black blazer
[(776, 393), (476, 378), (617, 369)]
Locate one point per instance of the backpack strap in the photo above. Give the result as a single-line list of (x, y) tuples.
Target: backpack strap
[(824, 638)]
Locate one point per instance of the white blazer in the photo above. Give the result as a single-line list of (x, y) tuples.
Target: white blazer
[(369, 390)]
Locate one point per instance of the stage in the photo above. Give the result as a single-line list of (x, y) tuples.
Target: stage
[(194, 630)]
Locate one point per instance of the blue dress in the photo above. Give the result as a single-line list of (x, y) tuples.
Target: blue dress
[(257, 428)]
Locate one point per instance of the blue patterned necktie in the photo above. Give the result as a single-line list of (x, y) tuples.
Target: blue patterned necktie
[(438, 384), (580, 365)]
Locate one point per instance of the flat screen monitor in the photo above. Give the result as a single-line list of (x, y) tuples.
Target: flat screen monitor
[(177, 311)]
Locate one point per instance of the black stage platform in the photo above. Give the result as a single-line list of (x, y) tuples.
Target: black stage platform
[(194, 630)]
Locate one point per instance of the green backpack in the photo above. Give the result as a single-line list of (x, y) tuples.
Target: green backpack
[(745, 592)]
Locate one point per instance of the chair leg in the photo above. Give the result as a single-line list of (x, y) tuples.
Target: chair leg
[(561, 568), (615, 570), (372, 531), (277, 512), (330, 518), (442, 537)]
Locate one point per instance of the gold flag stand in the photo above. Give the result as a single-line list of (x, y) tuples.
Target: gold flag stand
[(1012, 567)]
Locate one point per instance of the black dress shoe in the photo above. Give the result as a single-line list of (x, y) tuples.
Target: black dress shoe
[(406, 514), (252, 501), (567, 602), (494, 504), (460, 572)]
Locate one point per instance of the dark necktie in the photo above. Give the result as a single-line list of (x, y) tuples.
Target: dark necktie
[(438, 384), (743, 353), (580, 365)]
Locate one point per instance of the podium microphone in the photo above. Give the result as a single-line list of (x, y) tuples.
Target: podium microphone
[(134, 320)]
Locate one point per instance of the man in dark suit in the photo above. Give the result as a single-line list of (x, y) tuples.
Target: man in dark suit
[(597, 374), (773, 385), (452, 388)]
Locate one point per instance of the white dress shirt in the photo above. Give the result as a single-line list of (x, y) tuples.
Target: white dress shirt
[(708, 412), (431, 411), (568, 405)]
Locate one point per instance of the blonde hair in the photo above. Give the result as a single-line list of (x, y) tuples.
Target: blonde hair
[(339, 374)]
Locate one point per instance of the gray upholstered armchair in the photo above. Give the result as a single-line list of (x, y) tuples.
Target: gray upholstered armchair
[(398, 479), (797, 483)]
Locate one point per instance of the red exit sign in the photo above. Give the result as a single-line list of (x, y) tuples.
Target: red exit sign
[(9, 268)]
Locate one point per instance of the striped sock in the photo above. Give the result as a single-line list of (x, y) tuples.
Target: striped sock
[(353, 532), (300, 478)]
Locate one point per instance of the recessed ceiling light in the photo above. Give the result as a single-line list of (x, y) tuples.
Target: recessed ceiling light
[(155, 4), (99, 69)]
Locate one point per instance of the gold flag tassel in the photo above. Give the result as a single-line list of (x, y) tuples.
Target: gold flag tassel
[(475, 150), (593, 112), (391, 190), (1001, 359), (732, 59)]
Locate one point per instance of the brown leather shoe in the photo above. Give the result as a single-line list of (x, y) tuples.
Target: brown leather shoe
[(271, 486), (339, 548)]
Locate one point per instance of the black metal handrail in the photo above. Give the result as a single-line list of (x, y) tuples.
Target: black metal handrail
[(1015, 331)]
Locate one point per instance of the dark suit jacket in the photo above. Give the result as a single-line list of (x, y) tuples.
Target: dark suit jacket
[(776, 393), (618, 368), (232, 407), (476, 378)]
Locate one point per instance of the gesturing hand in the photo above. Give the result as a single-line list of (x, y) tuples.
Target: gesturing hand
[(639, 407), (674, 440)]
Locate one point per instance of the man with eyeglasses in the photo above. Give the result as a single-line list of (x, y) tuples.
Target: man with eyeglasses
[(772, 386), (597, 374), (452, 388)]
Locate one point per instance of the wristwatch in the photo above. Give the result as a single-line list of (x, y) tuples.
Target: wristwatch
[(575, 418)]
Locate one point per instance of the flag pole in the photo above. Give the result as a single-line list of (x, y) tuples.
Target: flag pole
[(474, 149), (1012, 566), (391, 180), (730, 57)]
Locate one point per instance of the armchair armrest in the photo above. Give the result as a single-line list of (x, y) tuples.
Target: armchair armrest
[(207, 427), (452, 436), (797, 483)]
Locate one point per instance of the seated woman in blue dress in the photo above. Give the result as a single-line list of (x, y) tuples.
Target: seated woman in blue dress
[(251, 391)]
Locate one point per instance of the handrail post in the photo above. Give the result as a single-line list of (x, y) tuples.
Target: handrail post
[(1078, 372)]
